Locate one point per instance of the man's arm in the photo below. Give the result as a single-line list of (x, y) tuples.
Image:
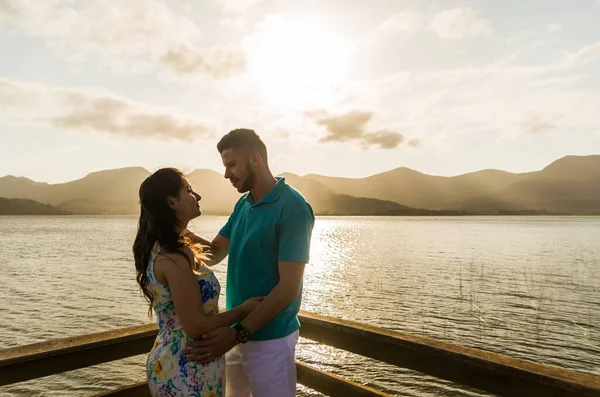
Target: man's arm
[(197, 239), (218, 249), (284, 293), (221, 340), (294, 247)]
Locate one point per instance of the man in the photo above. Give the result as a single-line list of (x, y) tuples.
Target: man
[(267, 238)]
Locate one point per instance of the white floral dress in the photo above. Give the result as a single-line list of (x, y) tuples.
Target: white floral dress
[(167, 369)]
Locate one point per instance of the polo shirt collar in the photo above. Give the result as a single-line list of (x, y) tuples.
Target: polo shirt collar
[(273, 194)]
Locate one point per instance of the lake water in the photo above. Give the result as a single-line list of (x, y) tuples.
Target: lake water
[(528, 287)]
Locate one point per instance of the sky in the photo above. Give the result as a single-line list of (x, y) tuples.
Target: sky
[(342, 88)]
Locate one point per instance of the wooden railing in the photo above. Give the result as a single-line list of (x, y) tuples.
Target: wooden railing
[(490, 372)]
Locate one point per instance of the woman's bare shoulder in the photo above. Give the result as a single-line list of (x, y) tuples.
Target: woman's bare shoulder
[(183, 259)]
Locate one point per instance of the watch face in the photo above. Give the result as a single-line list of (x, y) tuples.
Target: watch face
[(243, 335)]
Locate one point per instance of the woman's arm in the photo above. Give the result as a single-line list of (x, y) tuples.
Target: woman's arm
[(187, 298)]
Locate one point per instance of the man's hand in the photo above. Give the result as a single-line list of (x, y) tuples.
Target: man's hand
[(218, 249), (214, 344)]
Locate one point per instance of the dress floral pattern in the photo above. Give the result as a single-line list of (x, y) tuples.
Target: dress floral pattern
[(168, 372)]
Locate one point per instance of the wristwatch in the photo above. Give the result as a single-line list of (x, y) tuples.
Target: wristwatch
[(243, 335)]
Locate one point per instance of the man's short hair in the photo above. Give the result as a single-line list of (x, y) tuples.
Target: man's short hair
[(243, 138)]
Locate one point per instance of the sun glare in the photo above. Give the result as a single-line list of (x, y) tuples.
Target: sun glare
[(298, 63)]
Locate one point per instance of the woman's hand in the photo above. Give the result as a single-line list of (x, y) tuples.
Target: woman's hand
[(250, 304)]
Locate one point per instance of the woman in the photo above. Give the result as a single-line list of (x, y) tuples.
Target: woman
[(180, 289)]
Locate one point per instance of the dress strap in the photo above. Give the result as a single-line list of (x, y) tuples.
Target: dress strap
[(155, 255)]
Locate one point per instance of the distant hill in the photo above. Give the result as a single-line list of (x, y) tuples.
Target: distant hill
[(27, 207), (115, 192), (111, 192), (326, 201), (219, 197), (570, 185)]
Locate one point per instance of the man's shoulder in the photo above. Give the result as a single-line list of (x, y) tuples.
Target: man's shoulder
[(238, 207), (294, 201), (293, 197), (241, 201)]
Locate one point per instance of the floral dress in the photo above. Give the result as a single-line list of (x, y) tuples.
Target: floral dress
[(167, 369)]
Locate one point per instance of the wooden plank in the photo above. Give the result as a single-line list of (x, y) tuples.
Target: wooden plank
[(48, 358), (137, 390), (323, 382), (492, 372), (332, 385)]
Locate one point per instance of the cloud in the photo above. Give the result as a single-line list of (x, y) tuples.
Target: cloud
[(345, 127), (351, 126), (386, 139), (10, 8), (235, 23), (451, 107), (236, 6), (217, 62), (533, 123), (316, 114), (414, 143), (282, 134), (460, 23), (554, 27), (76, 110), (454, 23), (103, 26), (128, 35), (583, 56), (409, 22)]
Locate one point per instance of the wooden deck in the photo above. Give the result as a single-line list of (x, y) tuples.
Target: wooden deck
[(491, 372)]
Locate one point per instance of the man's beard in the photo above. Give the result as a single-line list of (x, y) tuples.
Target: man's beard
[(249, 181)]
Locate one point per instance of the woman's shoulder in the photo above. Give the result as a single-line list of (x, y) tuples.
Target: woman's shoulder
[(183, 259)]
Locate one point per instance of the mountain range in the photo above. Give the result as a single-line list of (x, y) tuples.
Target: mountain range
[(27, 207), (570, 185)]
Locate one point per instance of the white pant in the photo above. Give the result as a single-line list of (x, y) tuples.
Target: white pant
[(262, 368)]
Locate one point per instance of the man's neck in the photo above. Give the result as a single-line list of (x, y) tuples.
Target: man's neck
[(262, 186)]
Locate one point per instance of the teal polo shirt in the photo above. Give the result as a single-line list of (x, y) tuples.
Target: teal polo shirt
[(275, 228)]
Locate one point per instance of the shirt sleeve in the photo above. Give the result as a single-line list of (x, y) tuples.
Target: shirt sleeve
[(295, 232)]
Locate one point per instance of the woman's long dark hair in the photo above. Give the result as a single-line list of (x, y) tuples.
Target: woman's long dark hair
[(157, 223)]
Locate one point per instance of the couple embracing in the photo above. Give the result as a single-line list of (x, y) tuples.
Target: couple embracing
[(249, 349)]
